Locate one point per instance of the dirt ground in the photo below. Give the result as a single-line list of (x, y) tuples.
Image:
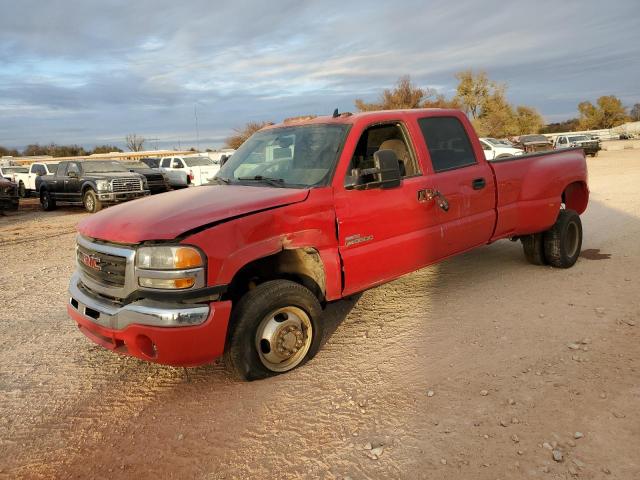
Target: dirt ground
[(475, 368)]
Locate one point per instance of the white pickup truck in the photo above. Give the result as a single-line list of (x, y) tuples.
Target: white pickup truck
[(9, 171), (27, 181), (494, 149), (199, 170)]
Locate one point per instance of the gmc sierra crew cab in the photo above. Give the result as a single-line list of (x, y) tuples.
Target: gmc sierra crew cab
[(305, 213), (91, 183)]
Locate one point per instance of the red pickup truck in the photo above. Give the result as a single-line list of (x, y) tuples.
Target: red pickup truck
[(303, 214)]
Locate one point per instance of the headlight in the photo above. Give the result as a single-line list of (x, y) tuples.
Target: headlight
[(168, 258), (103, 185), (170, 267)]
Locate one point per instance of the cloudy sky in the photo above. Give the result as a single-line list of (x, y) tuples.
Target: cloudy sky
[(89, 72)]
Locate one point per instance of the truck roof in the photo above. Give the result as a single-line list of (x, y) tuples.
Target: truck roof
[(351, 118)]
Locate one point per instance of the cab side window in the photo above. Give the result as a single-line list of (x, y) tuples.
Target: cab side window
[(383, 137), (166, 163), (448, 143)]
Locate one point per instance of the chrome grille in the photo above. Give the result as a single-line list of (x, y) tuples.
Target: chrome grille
[(102, 267), (127, 184)]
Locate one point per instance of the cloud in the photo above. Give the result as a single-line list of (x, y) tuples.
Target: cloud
[(84, 70)]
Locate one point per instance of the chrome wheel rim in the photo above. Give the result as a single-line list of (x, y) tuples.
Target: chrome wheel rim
[(572, 237), (283, 338), (88, 203)]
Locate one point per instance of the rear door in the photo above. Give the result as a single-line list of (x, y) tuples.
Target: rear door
[(464, 179)]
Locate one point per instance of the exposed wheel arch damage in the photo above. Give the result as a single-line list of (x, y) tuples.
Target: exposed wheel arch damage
[(301, 265)]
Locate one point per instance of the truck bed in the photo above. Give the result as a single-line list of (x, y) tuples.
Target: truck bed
[(527, 190)]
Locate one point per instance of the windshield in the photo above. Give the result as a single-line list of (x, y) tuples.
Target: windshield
[(135, 165), (52, 167), (300, 156), (578, 138), (197, 161), (15, 170), (103, 167), (492, 141)]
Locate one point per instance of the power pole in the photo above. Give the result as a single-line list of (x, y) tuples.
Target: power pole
[(195, 114)]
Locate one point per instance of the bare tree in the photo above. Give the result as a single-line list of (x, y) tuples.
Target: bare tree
[(134, 142)]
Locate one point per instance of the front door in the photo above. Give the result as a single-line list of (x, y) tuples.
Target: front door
[(385, 233)]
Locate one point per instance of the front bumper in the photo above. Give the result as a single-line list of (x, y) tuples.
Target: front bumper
[(117, 197), (167, 333)]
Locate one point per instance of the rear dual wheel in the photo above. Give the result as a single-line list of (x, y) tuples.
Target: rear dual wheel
[(559, 246)]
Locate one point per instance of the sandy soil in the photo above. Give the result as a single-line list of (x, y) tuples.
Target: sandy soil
[(474, 368)]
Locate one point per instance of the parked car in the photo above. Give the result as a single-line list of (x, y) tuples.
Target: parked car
[(534, 143), (176, 178), (27, 181), (590, 147), (626, 136), (304, 214), (199, 170), (157, 180), (495, 149), (9, 200), (91, 183), (9, 172)]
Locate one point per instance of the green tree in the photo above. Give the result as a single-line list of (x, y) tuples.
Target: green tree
[(472, 91), (241, 134), (8, 152), (106, 149), (570, 125), (528, 120), (608, 112)]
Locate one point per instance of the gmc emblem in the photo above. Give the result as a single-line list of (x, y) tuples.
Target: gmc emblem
[(90, 261)]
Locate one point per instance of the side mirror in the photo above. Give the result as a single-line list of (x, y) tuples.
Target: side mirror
[(385, 173), (72, 174)]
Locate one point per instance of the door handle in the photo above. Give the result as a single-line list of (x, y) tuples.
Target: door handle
[(432, 194), (479, 183)]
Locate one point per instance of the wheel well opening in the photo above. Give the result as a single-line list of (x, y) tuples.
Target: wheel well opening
[(301, 265), (576, 196)]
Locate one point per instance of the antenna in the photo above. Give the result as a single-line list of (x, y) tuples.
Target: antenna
[(335, 113)]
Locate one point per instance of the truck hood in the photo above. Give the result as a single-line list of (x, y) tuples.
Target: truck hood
[(166, 216)]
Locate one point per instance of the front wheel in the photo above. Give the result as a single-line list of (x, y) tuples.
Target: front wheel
[(563, 241), (274, 328), (22, 191), (91, 202)]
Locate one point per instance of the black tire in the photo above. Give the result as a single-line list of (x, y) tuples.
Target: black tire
[(46, 201), (91, 202), (563, 241), (22, 191), (533, 246), (244, 355)]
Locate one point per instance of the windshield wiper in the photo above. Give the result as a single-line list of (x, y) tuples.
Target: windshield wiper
[(224, 181), (276, 182)]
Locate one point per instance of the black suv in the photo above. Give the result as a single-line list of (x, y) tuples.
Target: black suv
[(92, 183)]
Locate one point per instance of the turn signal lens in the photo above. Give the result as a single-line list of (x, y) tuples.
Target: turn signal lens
[(167, 283)]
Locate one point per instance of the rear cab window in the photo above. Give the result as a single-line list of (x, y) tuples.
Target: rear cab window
[(448, 143)]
